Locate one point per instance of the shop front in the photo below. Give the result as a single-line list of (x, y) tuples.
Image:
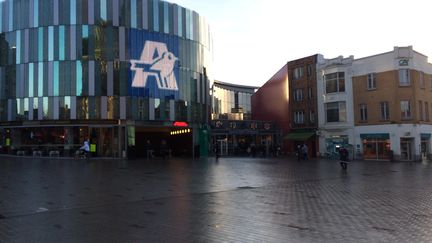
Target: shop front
[(376, 146), (62, 140), (333, 143)]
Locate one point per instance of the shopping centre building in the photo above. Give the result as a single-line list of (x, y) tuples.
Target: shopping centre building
[(119, 73)]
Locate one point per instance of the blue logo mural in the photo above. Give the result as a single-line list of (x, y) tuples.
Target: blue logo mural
[(154, 68)]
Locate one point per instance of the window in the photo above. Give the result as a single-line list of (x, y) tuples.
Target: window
[(363, 112), (385, 113), (426, 111), (309, 70), (310, 95), (299, 117), (371, 81), (430, 81), (421, 111), (298, 73), (404, 77), (335, 82), (335, 111), (421, 80), (312, 117), (405, 109), (298, 94)]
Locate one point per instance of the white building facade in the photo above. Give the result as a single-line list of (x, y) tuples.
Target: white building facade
[(335, 112)]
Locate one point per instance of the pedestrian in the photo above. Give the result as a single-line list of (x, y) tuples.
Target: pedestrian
[(343, 156), (163, 148), (217, 152), (299, 152), (253, 150), (149, 149), (305, 151)]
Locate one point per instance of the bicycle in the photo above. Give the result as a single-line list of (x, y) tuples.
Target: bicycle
[(81, 154)]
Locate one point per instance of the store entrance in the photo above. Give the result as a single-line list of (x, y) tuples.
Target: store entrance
[(162, 142), (406, 145)]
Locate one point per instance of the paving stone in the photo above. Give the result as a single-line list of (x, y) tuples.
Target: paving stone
[(229, 200)]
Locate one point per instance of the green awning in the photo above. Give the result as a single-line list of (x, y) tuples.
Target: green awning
[(299, 136)]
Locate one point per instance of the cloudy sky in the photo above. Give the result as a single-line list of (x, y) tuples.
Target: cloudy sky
[(255, 38)]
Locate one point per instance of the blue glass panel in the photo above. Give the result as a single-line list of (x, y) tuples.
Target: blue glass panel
[(50, 43), (1, 17), (18, 47), (166, 18), (154, 69), (103, 9), (85, 31), (31, 79), (180, 19), (73, 12), (40, 44), (156, 15), (40, 79), (62, 47), (133, 14), (56, 78), (79, 76), (36, 13), (10, 15)]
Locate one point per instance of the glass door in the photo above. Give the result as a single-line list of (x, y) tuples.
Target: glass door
[(406, 149)]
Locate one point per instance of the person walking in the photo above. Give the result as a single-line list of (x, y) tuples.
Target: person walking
[(305, 151), (343, 156), (299, 152)]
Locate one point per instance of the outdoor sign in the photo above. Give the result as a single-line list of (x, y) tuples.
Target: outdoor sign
[(180, 124), (154, 65)]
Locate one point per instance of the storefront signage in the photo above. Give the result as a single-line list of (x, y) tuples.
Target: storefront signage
[(180, 124), (375, 136), (425, 136), (403, 62), (154, 64)]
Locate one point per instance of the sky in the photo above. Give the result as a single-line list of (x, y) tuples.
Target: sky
[(253, 39)]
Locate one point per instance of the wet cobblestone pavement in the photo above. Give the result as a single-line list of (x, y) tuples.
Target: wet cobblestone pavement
[(230, 200)]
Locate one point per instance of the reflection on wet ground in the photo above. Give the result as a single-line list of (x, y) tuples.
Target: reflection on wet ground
[(229, 200)]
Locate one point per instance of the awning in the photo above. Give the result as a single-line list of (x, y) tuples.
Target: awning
[(299, 136)]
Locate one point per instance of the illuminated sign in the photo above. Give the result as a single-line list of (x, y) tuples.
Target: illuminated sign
[(154, 66), (155, 61), (180, 124), (180, 132)]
